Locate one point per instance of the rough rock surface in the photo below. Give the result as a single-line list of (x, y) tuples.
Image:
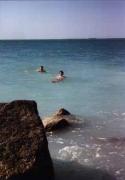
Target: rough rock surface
[(24, 150), (56, 124), (59, 120), (62, 112)]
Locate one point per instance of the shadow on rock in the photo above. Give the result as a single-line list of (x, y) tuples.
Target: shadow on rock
[(60, 121), (24, 152), (74, 171)]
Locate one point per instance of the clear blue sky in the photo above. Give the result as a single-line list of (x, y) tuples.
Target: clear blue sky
[(62, 19)]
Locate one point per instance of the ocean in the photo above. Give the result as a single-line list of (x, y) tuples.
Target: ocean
[(93, 90)]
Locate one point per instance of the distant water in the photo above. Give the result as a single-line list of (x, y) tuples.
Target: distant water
[(94, 90)]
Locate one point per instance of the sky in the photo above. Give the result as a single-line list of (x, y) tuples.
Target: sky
[(62, 19)]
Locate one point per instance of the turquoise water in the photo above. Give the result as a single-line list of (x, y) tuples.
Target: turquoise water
[(95, 71), (94, 89)]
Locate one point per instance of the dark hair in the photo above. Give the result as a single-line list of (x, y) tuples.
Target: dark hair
[(61, 72)]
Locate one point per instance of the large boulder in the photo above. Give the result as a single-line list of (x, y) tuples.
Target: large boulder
[(59, 120), (24, 150)]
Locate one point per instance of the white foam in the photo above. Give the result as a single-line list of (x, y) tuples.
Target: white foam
[(59, 141), (70, 153), (75, 153)]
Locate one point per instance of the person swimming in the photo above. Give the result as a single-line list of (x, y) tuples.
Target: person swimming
[(59, 77), (41, 69)]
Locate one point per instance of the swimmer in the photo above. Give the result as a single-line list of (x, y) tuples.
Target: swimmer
[(59, 77), (41, 69)]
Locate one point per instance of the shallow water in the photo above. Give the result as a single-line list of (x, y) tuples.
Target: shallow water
[(94, 89), (92, 145)]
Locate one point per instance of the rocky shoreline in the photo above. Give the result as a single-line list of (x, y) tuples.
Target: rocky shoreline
[(24, 150)]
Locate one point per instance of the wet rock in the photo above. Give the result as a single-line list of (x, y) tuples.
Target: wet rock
[(24, 150), (62, 112), (59, 120), (57, 124)]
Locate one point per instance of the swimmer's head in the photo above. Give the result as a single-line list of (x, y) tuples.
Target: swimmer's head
[(41, 67), (61, 73)]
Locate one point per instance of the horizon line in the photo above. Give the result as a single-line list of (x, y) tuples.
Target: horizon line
[(61, 39)]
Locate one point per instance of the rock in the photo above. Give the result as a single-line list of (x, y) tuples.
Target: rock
[(24, 150), (2, 105), (53, 125), (59, 120), (62, 112)]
